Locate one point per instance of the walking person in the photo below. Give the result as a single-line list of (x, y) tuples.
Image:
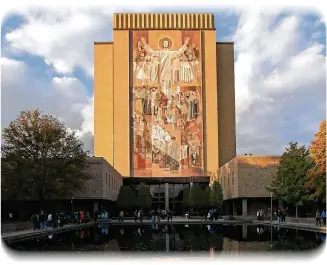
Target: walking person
[(278, 215), (323, 217), (61, 219), (121, 216), (10, 217), (54, 219), (261, 215), (81, 217), (42, 219), (76, 218), (153, 216), (318, 218), (135, 216), (258, 215), (34, 219), (49, 224), (140, 217), (283, 215)]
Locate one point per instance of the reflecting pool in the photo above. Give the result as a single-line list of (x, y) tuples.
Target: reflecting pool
[(210, 240)]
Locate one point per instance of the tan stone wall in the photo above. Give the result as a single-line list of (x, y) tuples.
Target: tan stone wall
[(226, 102), (255, 174), (100, 186), (121, 105), (228, 177), (210, 102), (112, 181), (103, 100), (247, 176)]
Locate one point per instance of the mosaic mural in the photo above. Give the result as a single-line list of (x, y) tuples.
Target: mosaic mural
[(167, 103)]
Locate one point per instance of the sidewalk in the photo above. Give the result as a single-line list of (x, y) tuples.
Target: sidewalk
[(301, 226), (30, 233)]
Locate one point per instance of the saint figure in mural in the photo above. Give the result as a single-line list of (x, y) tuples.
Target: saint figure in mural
[(165, 58)]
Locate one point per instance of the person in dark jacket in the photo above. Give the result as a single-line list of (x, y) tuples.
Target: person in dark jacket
[(135, 216), (318, 218), (42, 219), (61, 219), (54, 219), (34, 220)]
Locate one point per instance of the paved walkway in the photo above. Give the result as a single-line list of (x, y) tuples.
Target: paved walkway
[(26, 234), (301, 226)]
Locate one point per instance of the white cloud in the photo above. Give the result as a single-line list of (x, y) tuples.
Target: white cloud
[(280, 86), (63, 37), (62, 96)]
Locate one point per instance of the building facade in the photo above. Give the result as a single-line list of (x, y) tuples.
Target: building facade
[(164, 103), (244, 181), (101, 190)]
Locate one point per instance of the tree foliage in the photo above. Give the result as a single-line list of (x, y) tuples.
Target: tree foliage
[(317, 176), (216, 195), (206, 200), (186, 197), (196, 198), (317, 148), (289, 184), (41, 159), (144, 197), (126, 198)]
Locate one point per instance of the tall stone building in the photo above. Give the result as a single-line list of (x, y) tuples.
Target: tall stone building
[(164, 101)]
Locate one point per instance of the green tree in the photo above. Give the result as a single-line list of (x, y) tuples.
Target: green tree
[(186, 197), (41, 159), (144, 198), (206, 200), (196, 199), (126, 198), (289, 184), (216, 195)]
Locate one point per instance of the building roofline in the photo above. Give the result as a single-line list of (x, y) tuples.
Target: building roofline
[(258, 156), (225, 42), (103, 42)]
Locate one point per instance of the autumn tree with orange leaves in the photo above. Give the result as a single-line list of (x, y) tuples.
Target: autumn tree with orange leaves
[(317, 176), (41, 159)]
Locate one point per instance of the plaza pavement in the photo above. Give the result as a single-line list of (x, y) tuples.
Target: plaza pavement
[(300, 226)]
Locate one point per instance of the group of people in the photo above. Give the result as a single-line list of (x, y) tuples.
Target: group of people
[(281, 215), (82, 217), (157, 215), (320, 216), (51, 220), (260, 215), (211, 215)]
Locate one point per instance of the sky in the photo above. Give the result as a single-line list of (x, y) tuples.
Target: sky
[(280, 68)]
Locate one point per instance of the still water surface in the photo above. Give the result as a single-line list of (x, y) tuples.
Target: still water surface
[(199, 239)]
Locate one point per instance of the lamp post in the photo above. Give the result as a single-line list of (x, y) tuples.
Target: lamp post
[(271, 205), (72, 202)]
